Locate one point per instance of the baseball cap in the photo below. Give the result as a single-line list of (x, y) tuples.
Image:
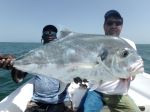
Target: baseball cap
[(112, 13), (50, 28)]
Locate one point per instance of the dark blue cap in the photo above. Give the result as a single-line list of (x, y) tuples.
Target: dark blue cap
[(112, 13), (50, 28)]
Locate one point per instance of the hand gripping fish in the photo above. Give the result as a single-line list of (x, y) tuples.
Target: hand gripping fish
[(90, 56)]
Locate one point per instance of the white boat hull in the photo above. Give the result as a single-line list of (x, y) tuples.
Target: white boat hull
[(17, 100), (140, 92)]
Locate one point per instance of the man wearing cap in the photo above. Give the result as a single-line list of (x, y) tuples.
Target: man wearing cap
[(49, 94), (114, 94)]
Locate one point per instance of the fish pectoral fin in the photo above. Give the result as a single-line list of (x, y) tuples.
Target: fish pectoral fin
[(98, 61)]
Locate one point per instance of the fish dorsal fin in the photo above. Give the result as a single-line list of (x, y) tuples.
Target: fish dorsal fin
[(64, 33)]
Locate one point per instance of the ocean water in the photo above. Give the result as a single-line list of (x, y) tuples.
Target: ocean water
[(17, 49)]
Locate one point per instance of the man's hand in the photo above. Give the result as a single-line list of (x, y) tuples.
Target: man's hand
[(6, 61)]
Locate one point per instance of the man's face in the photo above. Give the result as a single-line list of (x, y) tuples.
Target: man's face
[(48, 36), (113, 26)]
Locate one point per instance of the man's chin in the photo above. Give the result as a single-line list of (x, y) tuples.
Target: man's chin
[(114, 33)]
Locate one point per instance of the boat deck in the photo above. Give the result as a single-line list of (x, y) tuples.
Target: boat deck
[(139, 92)]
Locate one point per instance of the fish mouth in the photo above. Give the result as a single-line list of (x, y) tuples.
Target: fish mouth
[(137, 67)]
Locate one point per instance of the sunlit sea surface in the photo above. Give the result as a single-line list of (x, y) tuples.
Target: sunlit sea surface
[(17, 49)]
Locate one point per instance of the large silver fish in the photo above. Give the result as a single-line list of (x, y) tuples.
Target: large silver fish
[(90, 56)]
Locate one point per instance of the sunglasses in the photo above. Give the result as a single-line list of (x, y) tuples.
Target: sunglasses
[(117, 23), (49, 33)]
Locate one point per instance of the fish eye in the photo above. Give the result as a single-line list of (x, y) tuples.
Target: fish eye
[(124, 53)]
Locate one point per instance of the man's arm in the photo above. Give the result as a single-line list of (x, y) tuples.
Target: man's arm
[(6, 63)]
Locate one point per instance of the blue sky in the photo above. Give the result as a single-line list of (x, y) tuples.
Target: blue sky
[(23, 20)]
